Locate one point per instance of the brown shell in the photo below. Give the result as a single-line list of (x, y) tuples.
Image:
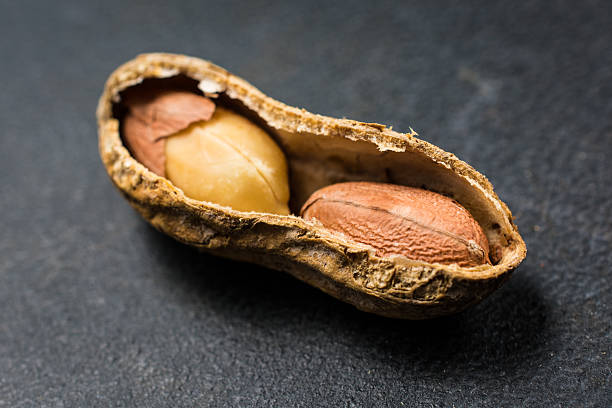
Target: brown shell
[(320, 151)]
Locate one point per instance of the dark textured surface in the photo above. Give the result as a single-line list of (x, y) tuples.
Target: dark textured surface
[(98, 309)]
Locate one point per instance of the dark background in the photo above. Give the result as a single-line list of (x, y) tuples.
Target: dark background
[(99, 309)]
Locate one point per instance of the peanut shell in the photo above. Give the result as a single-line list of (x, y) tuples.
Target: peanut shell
[(320, 151)]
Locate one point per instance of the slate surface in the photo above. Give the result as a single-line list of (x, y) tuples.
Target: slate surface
[(97, 309)]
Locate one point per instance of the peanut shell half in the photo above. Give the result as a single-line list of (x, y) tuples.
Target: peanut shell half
[(320, 151)]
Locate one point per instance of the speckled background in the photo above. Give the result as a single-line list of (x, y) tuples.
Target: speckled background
[(97, 309)]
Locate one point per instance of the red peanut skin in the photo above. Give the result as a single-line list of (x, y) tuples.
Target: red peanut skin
[(399, 220), (155, 114)]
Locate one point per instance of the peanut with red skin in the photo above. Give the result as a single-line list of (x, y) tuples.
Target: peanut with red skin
[(400, 220)]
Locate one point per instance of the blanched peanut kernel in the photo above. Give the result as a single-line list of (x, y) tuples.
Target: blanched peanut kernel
[(230, 161)]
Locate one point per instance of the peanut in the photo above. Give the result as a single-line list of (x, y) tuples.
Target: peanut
[(398, 220), (211, 153), (230, 161)]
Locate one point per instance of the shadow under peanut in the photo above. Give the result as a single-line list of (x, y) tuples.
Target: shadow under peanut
[(503, 333)]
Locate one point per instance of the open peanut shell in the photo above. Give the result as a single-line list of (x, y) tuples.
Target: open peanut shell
[(320, 151)]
